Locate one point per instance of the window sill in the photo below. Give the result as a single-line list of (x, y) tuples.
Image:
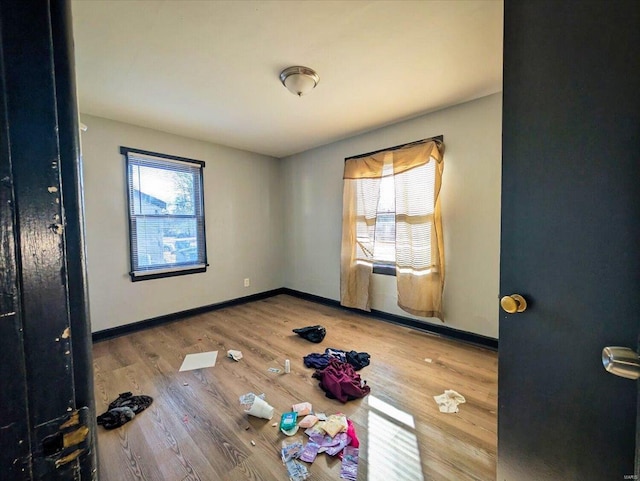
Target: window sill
[(148, 275)]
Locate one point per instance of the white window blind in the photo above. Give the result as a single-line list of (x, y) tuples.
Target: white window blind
[(415, 206), (396, 216), (166, 214)]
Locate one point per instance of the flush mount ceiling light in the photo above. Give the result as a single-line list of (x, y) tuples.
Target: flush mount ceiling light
[(299, 80)]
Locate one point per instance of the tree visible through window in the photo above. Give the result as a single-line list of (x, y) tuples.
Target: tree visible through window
[(166, 214)]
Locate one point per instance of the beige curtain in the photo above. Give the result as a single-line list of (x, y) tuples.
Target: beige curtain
[(417, 170), (419, 241), (359, 206)]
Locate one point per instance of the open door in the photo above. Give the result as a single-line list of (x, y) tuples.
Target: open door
[(570, 239), (47, 414)]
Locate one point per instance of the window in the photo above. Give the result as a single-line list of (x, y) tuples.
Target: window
[(391, 224), (166, 215), (416, 189)]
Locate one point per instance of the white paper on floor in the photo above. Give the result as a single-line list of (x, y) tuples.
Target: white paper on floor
[(199, 360), (235, 355), (448, 402)]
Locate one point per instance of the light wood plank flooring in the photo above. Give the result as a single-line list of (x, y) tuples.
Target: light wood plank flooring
[(197, 430)]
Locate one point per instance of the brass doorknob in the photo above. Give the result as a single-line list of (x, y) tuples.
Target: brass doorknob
[(513, 303)]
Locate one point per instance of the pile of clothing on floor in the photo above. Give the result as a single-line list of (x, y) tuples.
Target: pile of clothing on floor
[(336, 370)]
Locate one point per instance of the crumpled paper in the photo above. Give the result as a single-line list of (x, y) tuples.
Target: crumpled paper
[(235, 355), (449, 400)]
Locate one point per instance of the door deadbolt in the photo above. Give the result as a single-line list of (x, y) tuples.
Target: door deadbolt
[(513, 303)]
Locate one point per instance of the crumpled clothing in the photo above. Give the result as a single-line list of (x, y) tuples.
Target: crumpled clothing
[(339, 381), (316, 360), (358, 359), (319, 361), (338, 354), (123, 410), (449, 400), (351, 432), (311, 333)]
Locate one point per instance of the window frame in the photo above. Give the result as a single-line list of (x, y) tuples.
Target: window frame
[(164, 270)]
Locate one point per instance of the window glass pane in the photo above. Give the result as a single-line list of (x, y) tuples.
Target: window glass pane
[(385, 245), (385, 235), (163, 191)]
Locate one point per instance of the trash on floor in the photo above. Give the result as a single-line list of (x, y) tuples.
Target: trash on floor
[(289, 453), (336, 423), (248, 398), (308, 421), (290, 432), (336, 436), (123, 410), (199, 360), (428, 359), (349, 467), (235, 355), (310, 451), (449, 400), (256, 406), (288, 420), (311, 333), (274, 370), (328, 444), (302, 408)]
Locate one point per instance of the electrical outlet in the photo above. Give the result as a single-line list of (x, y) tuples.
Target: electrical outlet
[(247, 282)]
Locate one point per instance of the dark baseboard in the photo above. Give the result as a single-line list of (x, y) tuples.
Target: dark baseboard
[(443, 331), (156, 321)]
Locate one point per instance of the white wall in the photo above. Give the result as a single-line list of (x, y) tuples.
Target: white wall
[(243, 209), (470, 207)]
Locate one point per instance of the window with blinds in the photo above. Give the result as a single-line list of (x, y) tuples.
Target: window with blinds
[(404, 217), (166, 214)]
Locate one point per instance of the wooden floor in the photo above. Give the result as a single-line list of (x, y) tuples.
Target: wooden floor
[(196, 428)]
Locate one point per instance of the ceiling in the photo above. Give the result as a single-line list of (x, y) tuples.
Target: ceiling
[(209, 70)]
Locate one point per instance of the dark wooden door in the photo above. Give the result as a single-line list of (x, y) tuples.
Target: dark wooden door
[(47, 418), (570, 238)]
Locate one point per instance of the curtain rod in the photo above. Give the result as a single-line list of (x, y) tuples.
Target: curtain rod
[(437, 138)]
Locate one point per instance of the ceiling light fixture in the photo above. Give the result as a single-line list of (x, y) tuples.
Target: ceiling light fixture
[(299, 80)]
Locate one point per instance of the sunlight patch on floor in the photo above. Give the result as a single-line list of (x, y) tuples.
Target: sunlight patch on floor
[(392, 450)]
